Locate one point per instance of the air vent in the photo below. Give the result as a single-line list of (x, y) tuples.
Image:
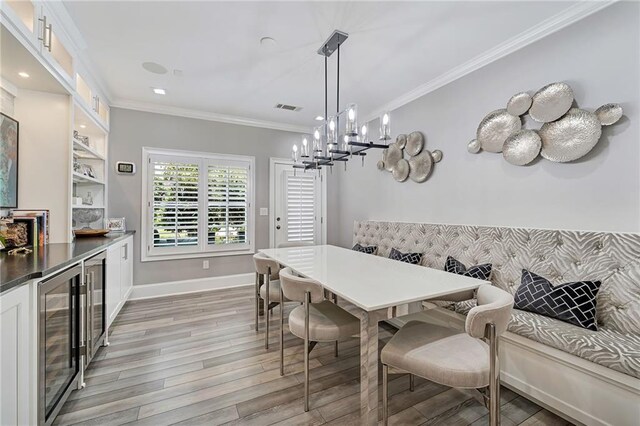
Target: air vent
[(288, 107)]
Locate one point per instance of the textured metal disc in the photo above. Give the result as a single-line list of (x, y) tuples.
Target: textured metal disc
[(495, 128), (609, 114), (381, 165), (522, 147), (401, 141), (401, 170), (571, 137), (437, 156), (519, 103), (420, 166), (393, 154), (415, 143), (551, 102), (474, 146)]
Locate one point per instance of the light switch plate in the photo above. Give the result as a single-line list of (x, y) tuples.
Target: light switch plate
[(205, 264), (264, 211)]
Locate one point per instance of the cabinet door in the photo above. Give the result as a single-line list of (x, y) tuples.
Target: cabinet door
[(23, 17), (126, 269), (113, 282), (16, 324), (54, 48)]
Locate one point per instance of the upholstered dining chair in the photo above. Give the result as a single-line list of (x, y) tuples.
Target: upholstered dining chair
[(267, 290), (466, 360), (317, 320)]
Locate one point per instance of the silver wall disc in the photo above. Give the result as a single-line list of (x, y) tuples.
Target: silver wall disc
[(381, 165), (392, 156), (551, 102), (474, 146), (522, 147), (609, 114), (571, 137), (401, 141), (495, 128), (437, 156), (519, 103), (415, 143), (401, 170), (420, 166)]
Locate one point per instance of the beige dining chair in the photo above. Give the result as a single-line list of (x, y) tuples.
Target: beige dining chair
[(465, 360), (267, 288), (317, 320)]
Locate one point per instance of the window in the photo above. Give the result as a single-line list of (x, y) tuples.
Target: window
[(196, 204)]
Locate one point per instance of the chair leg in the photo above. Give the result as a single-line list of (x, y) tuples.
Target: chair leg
[(411, 382), (335, 351), (281, 333), (307, 301), (257, 297), (385, 394), (494, 379), (267, 311), (335, 300)]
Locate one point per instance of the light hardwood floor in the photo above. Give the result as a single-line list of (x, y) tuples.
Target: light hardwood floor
[(196, 359)]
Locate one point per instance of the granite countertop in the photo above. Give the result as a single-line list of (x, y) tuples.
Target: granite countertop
[(21, 268)]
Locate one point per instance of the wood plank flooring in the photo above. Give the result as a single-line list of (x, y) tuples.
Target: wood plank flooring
[(196, 360)]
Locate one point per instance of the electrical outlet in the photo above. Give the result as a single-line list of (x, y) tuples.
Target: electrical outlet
[(264, 211), (205, 264)]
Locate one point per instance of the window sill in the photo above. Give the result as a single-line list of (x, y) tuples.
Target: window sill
[(183, 256)]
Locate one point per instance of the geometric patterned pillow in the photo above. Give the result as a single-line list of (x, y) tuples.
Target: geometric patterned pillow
[(413, 258), (481, 272), (365, 249), (574, 303)]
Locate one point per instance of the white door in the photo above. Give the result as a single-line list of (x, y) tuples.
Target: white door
[(298, 205)]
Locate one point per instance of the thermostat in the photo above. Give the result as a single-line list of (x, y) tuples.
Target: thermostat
[(125, 168)]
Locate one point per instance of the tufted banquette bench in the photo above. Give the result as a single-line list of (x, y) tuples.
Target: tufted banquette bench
[(540, 351)]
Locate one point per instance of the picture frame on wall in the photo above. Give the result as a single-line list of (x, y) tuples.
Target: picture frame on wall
[(116, 224), (9, 138)]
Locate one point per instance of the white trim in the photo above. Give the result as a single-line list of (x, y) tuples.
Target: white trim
[(8, 87), (205, 115), (549, 26), (203, 249), (272, 200), (150, 291)]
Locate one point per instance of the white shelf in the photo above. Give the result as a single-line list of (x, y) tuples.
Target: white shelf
[(82, 179), (81, 150)]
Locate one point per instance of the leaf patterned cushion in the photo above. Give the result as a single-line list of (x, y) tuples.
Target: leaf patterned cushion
[(413, 258), (481, 272), (365, 249)]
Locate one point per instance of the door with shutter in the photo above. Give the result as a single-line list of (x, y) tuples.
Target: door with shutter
[(297, 205)]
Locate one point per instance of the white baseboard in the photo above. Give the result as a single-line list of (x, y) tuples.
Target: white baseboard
[(149, 291)]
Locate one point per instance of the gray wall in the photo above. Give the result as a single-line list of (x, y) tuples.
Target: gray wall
[(131, 130), (599, 58)]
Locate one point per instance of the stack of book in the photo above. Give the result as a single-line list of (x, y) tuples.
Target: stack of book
[(37, 222)]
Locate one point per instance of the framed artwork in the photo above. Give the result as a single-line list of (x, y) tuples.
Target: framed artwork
[(8, 162), (115, 224)]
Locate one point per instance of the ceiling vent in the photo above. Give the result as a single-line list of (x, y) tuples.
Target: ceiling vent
[(288, 107)]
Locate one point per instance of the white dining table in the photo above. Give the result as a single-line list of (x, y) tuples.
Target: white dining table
[(373, 284)]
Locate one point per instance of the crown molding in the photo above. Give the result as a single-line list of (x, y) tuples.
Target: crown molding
[(549, 26), (209, 116)]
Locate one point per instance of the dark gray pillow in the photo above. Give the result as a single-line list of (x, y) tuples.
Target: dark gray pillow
[(574, 303), (481, 272), (365, 249), (413, 258)]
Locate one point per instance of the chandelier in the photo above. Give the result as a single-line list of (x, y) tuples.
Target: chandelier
[(338, 138)]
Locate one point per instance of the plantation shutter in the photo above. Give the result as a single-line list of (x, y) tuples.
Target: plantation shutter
[(227, 203), (174, 202), (301, 206)]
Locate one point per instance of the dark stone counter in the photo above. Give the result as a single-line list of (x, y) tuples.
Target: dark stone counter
[(21, 268)]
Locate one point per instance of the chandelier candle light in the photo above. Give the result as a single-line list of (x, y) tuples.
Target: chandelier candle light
[(339, 146)]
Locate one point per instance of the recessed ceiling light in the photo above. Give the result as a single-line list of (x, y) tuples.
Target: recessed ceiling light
[(159, 91), (319, 118), (83, 126), (154, 68), (23, 74)]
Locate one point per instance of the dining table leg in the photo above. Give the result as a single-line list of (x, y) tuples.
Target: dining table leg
[(369, 365)]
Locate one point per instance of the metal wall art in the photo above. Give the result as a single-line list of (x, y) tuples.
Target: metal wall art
[(566, 135), (420, 163)]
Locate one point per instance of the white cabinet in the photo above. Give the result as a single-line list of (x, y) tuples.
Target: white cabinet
[(119, 276), (91, 100), (17, 323)]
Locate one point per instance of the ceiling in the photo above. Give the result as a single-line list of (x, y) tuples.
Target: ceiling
[(393, 47)]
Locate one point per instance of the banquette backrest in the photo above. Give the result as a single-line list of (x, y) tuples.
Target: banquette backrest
[(560, 256)]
